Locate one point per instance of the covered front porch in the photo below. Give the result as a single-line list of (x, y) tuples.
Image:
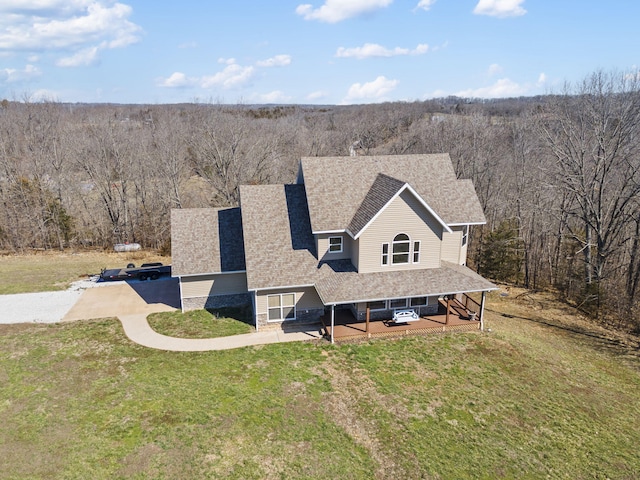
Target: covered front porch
[(455, 314)]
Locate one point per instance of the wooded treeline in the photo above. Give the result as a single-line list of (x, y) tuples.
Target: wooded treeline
[(558, 176)]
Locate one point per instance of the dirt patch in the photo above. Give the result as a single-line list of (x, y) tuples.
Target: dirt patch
[(342, 406)]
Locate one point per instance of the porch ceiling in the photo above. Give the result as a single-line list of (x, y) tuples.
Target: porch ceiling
[(350, 287)]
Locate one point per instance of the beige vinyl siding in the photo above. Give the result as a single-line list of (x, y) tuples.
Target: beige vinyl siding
[(355, 253), (451, 245), (216, 284), (322, 243), (404, 215), (306, 298)]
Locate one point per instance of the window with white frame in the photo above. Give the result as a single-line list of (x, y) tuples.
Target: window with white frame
[(385, 254), (465, 235), (281, 306), (400, 249), (398, 303), (378, 305), (419, 301), (335, 244), (416, 252)]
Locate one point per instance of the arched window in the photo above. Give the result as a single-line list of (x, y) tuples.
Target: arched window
[(401, 246)]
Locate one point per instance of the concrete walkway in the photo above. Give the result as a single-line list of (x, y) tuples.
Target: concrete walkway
[(131, 302), (138, 330)]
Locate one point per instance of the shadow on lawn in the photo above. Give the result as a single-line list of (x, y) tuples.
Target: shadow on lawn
[(617, 343)]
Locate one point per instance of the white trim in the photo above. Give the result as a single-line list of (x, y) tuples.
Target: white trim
[(406, 186), (383, 255), (406, 303), (181, 297), (288, 287), (426, 297), (211, 273), (254, 301), (414, 251), (324, 232), (408, 253), (386, 305), (344, 302), (341, 244), (466, 223), (282, 307)]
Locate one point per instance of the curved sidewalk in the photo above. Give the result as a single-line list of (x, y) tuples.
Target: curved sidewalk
[(138, 330), (131, 302)]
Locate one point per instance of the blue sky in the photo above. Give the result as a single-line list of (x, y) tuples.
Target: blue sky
[(322, 52)]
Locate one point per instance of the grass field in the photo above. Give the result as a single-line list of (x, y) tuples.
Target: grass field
[(50, 271), (543, 395), (201, 323)]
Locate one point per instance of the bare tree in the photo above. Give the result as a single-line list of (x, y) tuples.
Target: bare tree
[(592, 131)]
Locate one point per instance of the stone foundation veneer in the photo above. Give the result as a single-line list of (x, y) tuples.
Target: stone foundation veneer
[(218, 301), (302, 316)]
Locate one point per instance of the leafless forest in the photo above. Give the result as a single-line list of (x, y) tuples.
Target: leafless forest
[(558, 176)]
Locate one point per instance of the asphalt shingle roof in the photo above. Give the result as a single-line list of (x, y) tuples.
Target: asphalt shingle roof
[(280, 246), (381, 192), (206, 240), (276, 221), (346, 287), (338, 186)]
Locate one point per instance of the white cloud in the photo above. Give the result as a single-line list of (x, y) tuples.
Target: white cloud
[(88, 56), (274, 97), (227, 61), (371, 91), (317, 95), (334, 11), (277, 61), (369, 50), (500, 8), (494, 69), (11, 75), (542, 79), (425, 4), (79, 27), (501, 89), (175, 80), (233, 75)]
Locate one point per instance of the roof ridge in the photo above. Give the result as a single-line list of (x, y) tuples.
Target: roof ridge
[(383, 189)]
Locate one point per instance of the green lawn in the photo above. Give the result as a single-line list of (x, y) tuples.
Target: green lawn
[(202, 323), (537, 397)]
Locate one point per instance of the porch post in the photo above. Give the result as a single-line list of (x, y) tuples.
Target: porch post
[(333, 307), (254, 301), (446, 319), (484, 294), (368, 315)]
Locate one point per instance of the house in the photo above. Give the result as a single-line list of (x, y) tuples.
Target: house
[(361, 236)]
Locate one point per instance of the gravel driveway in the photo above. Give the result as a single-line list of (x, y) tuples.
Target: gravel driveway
[(46, 307)]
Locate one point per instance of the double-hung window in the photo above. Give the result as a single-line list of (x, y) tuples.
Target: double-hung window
[(401, 247), (377, 305), (282, 306), (416, 252), (465, 235), (335, 244), (419, 301), (385, 254), (398, 303)]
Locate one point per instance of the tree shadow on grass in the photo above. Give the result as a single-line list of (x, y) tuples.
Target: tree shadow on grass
[(614, 343)]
